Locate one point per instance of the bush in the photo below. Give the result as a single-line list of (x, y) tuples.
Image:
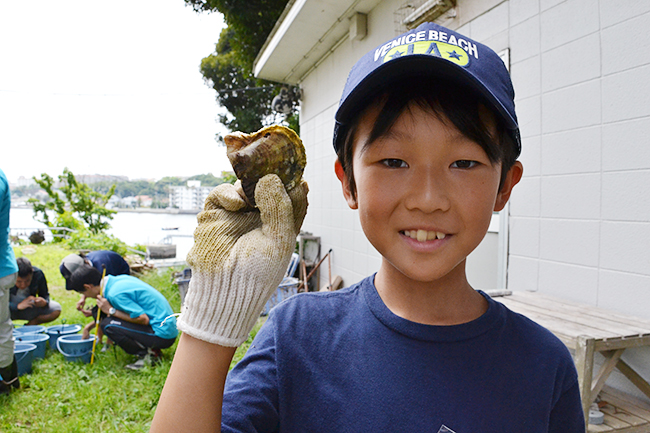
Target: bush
[(84, 240)]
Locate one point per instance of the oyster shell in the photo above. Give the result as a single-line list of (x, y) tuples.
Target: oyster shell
[(273, 149)]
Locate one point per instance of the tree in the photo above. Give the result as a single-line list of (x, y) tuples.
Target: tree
[(80, 207), (229, 69)]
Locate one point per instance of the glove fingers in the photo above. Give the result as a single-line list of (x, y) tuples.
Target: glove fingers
[(298, 196), (276, 210), (225, 196)]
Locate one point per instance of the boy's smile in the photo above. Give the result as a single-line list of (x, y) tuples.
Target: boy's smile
[(425, 195)]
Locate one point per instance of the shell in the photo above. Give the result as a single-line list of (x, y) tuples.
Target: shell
[(271, 150)]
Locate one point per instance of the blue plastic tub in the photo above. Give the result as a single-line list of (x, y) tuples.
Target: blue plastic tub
[(29, 329), (39, 340), (56, 331), (288, 287), (74, 348), (24, 353)]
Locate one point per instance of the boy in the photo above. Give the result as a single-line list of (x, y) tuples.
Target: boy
[(30, 298), (427, 140), (138, 317), (104, 261)]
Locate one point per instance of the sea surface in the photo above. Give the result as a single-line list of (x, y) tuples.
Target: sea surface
[(131, 227)]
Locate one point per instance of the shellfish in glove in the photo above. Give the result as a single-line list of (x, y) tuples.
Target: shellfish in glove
[(271, 150)]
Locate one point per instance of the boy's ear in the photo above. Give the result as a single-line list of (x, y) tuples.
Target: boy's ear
[(512, 178), (345, 184)]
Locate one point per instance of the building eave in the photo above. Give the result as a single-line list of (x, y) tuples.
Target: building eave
[(305, 33)]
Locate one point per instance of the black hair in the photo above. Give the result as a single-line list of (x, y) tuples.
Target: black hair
[(84, 274), (25, 268), (452, 101)]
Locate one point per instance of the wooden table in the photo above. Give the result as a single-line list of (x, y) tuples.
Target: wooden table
[(586, 330)]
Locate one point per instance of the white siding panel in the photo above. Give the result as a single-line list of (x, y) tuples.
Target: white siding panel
[(576, 283), (574, 196)]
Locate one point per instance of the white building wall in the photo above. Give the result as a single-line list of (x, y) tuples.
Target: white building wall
[(580, 226), (580, 221), (580, 218)]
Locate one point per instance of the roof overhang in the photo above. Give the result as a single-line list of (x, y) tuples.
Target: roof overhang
[(306, 32)]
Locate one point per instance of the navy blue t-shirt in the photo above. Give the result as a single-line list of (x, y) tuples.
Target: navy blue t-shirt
[(343, 362), (113, 262)]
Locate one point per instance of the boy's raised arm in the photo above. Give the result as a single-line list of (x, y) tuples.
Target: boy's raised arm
[(193, 393), (239, 257)]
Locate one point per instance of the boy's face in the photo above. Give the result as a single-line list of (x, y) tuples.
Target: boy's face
[(91, 291), (425, 193), (23, 282)]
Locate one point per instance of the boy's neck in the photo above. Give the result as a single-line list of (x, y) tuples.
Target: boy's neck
[(447, 301)]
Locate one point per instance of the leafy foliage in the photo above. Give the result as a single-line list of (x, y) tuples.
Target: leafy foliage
[(79, 207), (84, 240), (160, 188), (229, 69)]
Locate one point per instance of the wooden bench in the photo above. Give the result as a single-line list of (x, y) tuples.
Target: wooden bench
[(587, 330)]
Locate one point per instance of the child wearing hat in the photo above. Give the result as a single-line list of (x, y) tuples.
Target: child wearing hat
[(427, 142)]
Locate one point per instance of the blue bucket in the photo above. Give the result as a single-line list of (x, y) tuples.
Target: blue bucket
[(39, 340), (74, 348), (57, 331), (29, 329), (24, 353)]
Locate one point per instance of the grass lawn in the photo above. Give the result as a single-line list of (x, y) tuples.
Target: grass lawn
[(62, 396)]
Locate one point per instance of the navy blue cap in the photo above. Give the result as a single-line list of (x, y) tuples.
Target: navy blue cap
[(429, 52)]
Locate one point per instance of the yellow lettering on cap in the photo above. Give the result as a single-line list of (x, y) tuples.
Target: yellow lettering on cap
[(452, 53)]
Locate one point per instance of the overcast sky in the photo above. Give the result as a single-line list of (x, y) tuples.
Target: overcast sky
[(107, 87)]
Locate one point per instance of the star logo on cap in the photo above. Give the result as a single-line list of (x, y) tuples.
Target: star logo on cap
[(454, 55), (396, 54)]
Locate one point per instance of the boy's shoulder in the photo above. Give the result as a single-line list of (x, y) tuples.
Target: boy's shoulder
[(526, 335), (323, 302)]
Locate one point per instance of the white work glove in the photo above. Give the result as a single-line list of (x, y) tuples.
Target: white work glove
[(239, 258)]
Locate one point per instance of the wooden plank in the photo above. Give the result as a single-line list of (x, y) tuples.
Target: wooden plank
[(585, 317), (542, 299), (597, 327), (557, 324), (626, 402), (597, 428), (584, 360), (604, 372), (551, 320), (622, 414), (634, 377), (622, 342), (615, 423)]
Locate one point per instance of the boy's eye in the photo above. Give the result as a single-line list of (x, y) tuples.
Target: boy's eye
[(394, 163), (464, 163)]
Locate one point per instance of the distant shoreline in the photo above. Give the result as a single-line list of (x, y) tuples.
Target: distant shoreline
[(169, 211), (142, 210)]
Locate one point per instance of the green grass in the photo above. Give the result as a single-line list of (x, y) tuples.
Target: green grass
[(63, 396)]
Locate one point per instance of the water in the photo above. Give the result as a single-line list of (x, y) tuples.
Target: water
[(131, 227)]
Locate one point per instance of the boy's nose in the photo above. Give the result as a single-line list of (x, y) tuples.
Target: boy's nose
[(427, 194)]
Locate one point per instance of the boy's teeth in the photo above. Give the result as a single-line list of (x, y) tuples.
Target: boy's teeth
[(423, 235)]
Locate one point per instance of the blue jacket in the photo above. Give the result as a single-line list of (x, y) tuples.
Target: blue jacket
[(8, 264)]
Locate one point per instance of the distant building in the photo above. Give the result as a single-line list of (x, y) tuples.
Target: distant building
[(25, 181), (191, 196)]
